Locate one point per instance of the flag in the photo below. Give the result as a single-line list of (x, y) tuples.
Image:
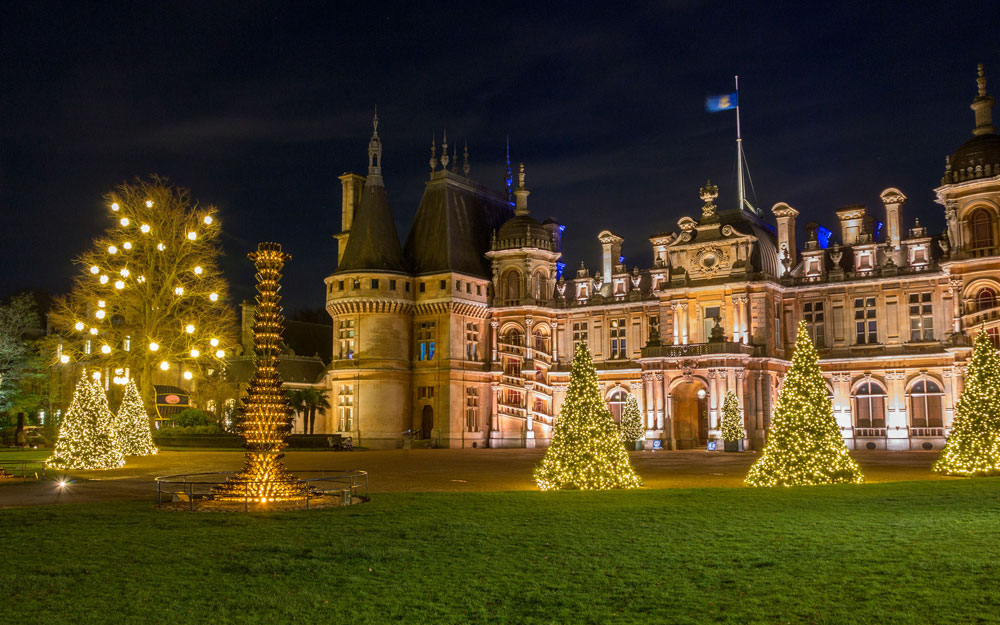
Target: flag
[(720, 102)]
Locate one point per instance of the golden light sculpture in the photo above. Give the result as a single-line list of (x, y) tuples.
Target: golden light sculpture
[(265, 420)]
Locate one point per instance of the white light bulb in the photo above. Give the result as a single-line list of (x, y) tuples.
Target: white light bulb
[(164, 365), (124, 221), (198, 270), (125, 272), (112, 249), (141, 279), (94, 269), (195, 353), (144, 228), (192, 235), (119, 285), (208, 220), (100, 313), (220, 354), (93, 331), (213, 297), (64, 359), (114, 206), (188, 375), (189, 329), (214, 342), (161, 246), (105, 349), (103, 279), (79, 326), (127, 245), (153, 346), (96, 375), (179, 291), (149, 203), (101, 303)]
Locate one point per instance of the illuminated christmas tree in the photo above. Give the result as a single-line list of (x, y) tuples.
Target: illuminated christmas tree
[(586, 451), (631, 423), (804, 443), (87, 436), (132, 425), (732, 419), (265, 419), (973, 447)]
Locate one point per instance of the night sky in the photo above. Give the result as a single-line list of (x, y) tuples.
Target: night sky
[(257, 108)]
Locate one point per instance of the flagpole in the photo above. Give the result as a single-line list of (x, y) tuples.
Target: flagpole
[(739, 148)]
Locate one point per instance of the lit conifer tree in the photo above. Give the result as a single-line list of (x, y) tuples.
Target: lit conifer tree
[(150, 295), (586, 451), (132, 425), (87, 437), (631, 423), (973, 447), (804, 443), (732, 418)]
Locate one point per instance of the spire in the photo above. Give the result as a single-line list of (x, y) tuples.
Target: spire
[(509, 178), (375, 152), (444, 151), (465, 160), (434, 160), (521, 194), (454, 158), (983, 106)]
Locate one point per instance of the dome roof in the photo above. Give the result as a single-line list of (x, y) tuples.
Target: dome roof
[(523, 231), (977, 158)]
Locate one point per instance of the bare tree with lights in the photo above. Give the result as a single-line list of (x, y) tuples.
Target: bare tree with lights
[(150, 295)]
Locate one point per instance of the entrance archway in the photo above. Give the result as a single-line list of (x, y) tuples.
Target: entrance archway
[(426, 422), (690, 413)]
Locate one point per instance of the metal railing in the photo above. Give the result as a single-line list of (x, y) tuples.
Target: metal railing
[(347, 484), (23, 469)]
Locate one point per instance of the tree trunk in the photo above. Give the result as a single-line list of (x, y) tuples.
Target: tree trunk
[(312, 419), (148, 392)]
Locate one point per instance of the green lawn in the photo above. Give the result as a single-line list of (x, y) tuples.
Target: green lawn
[(905, 552)]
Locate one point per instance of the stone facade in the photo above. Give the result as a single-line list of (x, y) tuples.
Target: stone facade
[(467, 341)]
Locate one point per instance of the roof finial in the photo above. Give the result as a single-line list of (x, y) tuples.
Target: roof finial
[(465, 160), (521, 194), (444, 150), (375, 149), (509, 178), (434, 160), (454, 158), (983, 106)]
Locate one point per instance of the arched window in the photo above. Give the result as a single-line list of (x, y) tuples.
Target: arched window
[(994, 335), (980, 230), (986, 298), (616, 404), (540, 340), (926, 404), (540, 286), (869, 406), (511, 285)]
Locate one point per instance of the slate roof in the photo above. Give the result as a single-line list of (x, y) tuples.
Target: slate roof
[(453, 226), (373, 244)]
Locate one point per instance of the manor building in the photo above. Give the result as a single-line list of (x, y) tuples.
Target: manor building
[(463, 336)]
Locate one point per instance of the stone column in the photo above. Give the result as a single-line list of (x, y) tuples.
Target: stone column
[(668, 410), (685, 323), (737, 308), (675, 317), (555, 343), (493, 340)]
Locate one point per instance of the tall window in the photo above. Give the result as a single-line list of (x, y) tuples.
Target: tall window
[(869, 406), (540, 285), (345, 407), (865, 321), (925, 404), (985, 299), (345, 334), (471, 340), (992, 333), (425, 340), (471, 409), (654, 324), (980, 230), (710, 314), (815, 318), (921, 317), (511, 285), (579, 332), (616, 404), (618, 347)]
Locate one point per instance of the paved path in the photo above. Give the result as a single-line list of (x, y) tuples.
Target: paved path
[(433, 470)]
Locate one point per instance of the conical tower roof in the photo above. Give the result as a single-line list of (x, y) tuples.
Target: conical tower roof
[(373, 244)]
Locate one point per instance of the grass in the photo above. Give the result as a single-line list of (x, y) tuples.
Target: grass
[(905, 552)]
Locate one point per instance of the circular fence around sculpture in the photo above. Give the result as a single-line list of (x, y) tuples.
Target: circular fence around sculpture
[(322, 488), (23, 470)]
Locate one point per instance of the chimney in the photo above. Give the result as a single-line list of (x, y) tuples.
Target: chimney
[(786, 229), (351, 185), (611, 251), (893, 200), (851, 223)]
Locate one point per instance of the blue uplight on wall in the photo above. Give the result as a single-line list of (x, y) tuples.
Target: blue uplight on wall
[(878, 229), (560, 266), (823, 236)]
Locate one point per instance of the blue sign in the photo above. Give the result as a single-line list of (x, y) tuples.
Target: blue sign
[(657, 444), (712, 445)]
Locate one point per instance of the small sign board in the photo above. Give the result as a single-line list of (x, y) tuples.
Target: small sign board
[(712, 445), (657, 444)]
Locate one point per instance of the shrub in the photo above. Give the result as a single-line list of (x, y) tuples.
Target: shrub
[(191, 417)]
